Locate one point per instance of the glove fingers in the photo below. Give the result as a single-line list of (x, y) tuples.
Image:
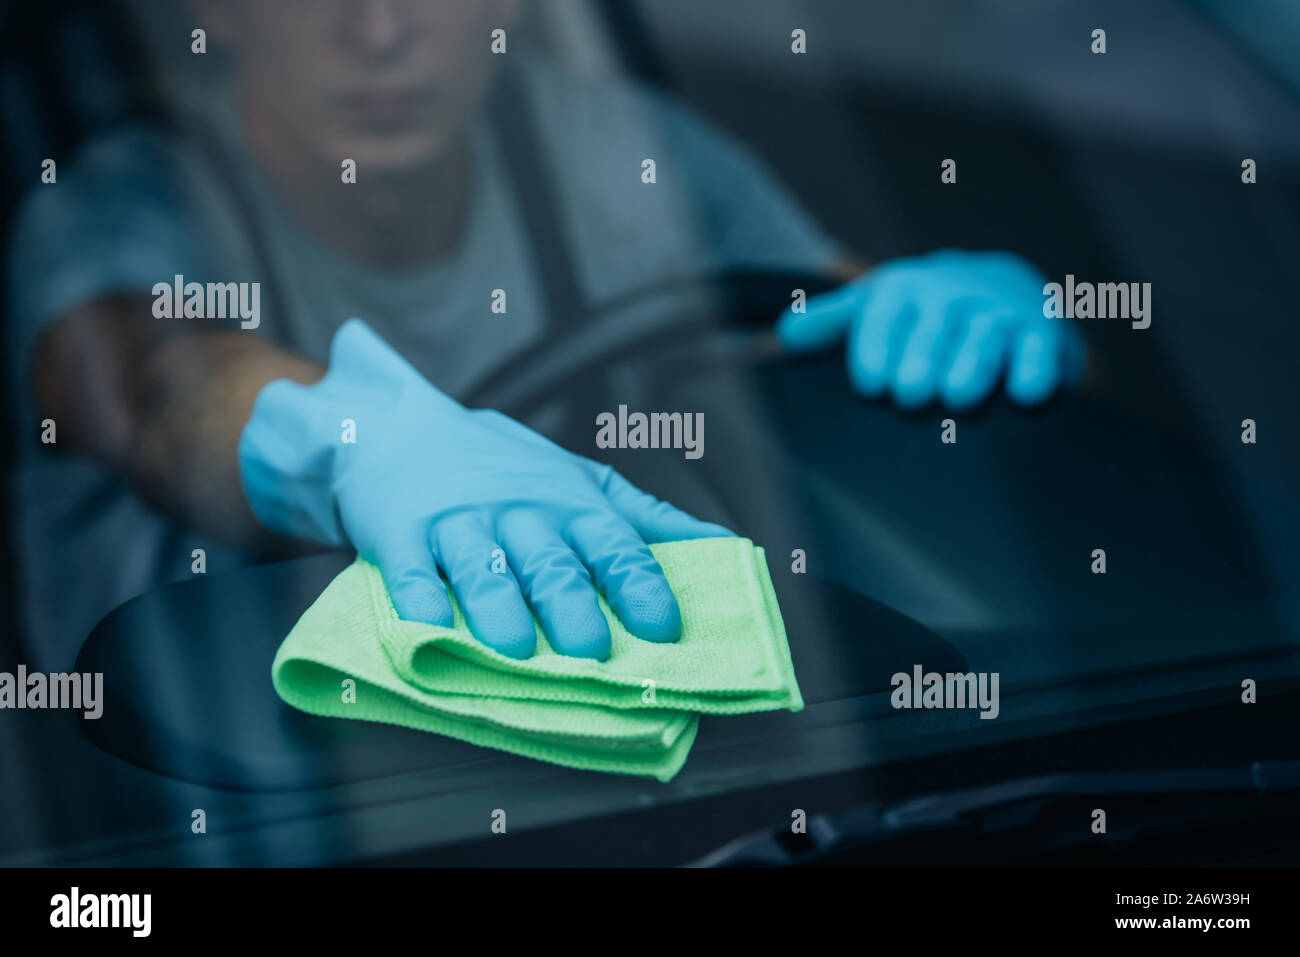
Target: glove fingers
[(556, 585), (1036, 362), (484, 585), (411, 575), (654, 520), (823, 323), (977, 361), (627, 575), (877, 338), (916, 378)]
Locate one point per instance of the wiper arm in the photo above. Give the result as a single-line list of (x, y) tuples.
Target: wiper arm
[(877, 822)]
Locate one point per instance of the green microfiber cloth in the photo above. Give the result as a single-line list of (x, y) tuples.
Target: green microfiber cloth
[(635, 713)]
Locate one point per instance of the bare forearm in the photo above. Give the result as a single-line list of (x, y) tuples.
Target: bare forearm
[(848, 268), (196, 396), (164, 408)]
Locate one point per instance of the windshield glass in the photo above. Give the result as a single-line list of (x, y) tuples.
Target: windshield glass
[(974, 319)]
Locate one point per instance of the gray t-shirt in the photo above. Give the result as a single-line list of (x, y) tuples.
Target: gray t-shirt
[(136, 208)]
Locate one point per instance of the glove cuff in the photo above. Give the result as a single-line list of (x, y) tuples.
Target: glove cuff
[(290, 448)]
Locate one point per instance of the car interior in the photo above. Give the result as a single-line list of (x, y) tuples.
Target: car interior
[(967, 556)]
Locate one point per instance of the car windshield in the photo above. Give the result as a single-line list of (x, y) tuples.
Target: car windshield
[(986, 307)]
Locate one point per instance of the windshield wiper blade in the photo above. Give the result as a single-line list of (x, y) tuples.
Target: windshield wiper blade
[(878, 822)]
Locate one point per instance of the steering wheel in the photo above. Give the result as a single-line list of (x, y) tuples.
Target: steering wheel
[(724, 317)]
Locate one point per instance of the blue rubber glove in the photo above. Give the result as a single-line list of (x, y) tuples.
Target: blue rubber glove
[(946, 325), (429, 484)]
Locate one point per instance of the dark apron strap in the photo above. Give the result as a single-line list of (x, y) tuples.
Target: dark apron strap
[(219, 162), (535, 185), (531, 178)]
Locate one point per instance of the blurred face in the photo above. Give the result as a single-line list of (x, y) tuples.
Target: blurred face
[(388, 83)]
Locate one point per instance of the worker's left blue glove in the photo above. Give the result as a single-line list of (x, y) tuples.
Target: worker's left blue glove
[(945, 325), (374, 455)]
